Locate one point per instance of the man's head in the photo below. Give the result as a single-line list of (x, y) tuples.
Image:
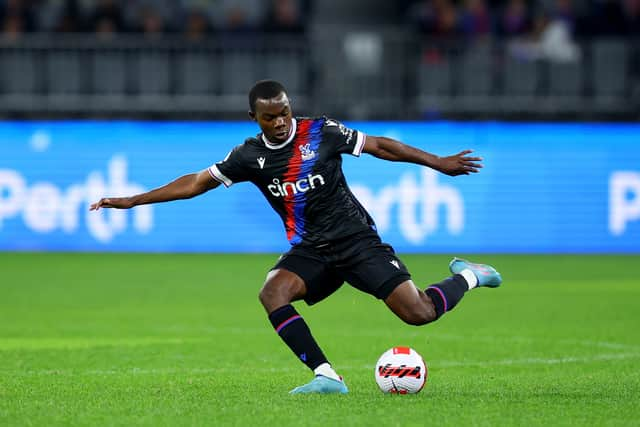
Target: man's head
[(269, 107)]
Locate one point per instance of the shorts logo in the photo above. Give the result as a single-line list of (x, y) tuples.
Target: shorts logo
[(306, 152), (395, 264)]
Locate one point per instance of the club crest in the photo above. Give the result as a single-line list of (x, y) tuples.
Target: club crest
[(306, 152)]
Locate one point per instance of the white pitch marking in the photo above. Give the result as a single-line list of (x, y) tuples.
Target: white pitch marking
[(82, 343), (295, 368), (544, 361)]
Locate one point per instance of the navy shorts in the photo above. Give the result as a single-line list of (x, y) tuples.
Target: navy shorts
[(361, 260)]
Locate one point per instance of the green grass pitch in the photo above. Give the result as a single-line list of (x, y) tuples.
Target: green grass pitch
[(181, 339)]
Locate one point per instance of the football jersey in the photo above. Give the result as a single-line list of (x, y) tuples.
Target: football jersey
[(302, 179)]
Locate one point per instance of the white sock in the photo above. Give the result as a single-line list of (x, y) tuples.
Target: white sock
[(327, 371), (472, 280)]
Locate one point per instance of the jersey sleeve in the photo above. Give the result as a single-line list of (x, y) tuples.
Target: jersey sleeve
[(345, 140), (231, 169)]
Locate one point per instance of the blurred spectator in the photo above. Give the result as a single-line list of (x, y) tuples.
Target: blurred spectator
[(285, 16), (421, 16), (425, 15), (59, 16), (197, 26), (556, 40), (151, 23), (436, 18), (438, 21), (12, 27), (237, 15), (236, 19), (510, 18), (475, 19), (154, 17), (608, 18), (446, 22), (563, 10), (550, 40), (514, 19), (632, 17), (17, 17), (69, 20), (105, 29), (107, 18)]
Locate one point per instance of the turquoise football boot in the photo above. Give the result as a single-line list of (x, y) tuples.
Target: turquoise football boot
[(487, 275), (322, 385)]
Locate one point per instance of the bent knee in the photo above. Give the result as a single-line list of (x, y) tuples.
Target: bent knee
[(279, 290), (273, 294), (266, 294)]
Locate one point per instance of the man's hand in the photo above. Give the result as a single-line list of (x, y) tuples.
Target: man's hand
[(459, 164), (112, 202)]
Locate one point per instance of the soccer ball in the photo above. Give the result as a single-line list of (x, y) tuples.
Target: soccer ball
[(401, 370)]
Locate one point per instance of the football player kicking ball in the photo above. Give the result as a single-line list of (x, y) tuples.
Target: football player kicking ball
[(296, 164)]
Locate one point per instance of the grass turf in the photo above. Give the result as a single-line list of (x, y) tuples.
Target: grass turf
[(177, 339)]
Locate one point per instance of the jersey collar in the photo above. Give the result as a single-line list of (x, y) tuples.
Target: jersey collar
[(273, 146)]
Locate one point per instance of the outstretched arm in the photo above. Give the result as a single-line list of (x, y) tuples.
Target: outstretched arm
[(185, 187), (396, 151)]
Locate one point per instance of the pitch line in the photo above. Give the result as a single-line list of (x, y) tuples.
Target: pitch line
[(85, 343), (293, 368), (544, 361)]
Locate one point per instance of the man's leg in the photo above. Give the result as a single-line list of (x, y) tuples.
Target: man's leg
[(280, 289), (417, 308), (411, 304)]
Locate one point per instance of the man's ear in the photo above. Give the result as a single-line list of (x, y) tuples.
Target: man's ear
[(252, 115)]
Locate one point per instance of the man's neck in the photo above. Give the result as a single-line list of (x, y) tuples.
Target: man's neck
[(275, 145)]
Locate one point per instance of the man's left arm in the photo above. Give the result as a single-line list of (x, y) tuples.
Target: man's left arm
[(395, 151)]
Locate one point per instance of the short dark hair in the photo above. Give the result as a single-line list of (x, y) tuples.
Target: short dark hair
[(264, 89)]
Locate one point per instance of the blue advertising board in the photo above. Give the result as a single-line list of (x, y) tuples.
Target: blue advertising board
[(544, 188)]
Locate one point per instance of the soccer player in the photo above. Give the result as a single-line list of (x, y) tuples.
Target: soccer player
[(296, 163)]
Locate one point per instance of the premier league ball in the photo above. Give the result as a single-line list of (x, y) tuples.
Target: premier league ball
[(401, 370)]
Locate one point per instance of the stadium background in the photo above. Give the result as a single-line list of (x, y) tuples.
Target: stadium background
[(105, 97), (451, 75)]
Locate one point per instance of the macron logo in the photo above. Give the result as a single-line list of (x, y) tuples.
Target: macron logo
[(395, 264), (261, 162)]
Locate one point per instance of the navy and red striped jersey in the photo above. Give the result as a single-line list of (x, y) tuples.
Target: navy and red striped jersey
[(302, 179)]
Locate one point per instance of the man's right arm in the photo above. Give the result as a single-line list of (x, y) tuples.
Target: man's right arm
[(185, 187)]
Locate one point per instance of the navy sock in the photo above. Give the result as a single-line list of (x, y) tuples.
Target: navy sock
[(296, 334), (447, 294)]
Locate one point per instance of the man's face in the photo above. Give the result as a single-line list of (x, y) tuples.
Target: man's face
[(274, 117)]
